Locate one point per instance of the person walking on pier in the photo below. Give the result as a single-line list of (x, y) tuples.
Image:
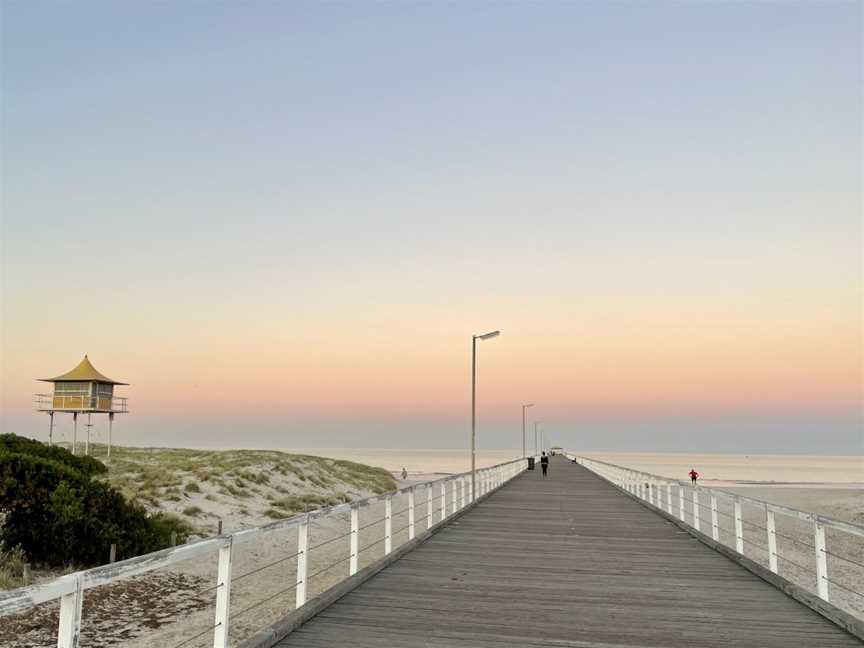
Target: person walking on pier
[(544, 463), (693, 476)]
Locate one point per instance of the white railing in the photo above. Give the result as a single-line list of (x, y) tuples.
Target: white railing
[(707, 509), (80, 402), (438, 509)]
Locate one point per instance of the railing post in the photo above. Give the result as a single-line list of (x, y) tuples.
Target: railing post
[(302, 562), (455, 496), (821, 560), (739, 527), (715, 525), (223, 596), (430, 493), (681, 502), (696, 509), (411, 513), (388, 524), (355, 540), (69, 631), (443, 500), (770, 526), (669, 498), (461, 492)]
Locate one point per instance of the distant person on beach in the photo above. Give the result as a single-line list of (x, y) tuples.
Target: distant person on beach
[(404, 473), (544, 463), (693, 476)]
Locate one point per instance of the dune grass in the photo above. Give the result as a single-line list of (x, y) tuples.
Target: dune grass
[(201, 485)]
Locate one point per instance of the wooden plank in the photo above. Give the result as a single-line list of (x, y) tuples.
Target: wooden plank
[(566, 561)]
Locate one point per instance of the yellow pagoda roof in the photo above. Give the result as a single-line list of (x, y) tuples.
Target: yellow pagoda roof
[(84, 372)]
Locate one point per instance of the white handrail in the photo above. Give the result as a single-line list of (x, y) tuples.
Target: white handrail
[(70, 588), (649, 487)]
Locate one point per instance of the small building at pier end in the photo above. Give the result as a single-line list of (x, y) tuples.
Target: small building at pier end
[(84, 390)]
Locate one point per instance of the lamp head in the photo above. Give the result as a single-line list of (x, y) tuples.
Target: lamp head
[(487, 336)]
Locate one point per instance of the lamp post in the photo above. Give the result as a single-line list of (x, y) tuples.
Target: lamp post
[(536, 423), (485, 336), (524, 407)]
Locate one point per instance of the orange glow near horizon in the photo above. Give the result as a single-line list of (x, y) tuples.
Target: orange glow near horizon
[(388, 368)]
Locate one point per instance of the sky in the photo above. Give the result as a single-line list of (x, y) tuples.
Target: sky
[(282, 223)]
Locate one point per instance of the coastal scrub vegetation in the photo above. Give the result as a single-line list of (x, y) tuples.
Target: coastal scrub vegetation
[(237, 487), (58, 513), (11, 567)]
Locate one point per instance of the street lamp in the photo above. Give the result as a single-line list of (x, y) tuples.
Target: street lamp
[(485, 336), (536, 423), (524, 407)]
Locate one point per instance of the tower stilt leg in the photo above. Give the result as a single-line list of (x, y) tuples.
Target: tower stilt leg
[(51, 429), (74, 433), (110, 425)]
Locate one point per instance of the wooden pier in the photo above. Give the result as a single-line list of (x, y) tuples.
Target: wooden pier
[(566, 561)]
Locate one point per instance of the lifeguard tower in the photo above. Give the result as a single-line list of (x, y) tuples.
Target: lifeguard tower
[(82, 391)]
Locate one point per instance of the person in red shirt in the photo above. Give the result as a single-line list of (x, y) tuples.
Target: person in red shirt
[(693, 476)]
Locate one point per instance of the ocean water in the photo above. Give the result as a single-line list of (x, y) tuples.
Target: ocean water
[(715, 469), (747, 469), (416, 462)]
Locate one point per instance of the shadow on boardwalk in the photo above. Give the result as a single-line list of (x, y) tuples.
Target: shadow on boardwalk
[(566, 561)]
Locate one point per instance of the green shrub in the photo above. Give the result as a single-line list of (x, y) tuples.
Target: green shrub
[(164, 524), (60, 516), (15, 444), (192, 511), (192, 487)]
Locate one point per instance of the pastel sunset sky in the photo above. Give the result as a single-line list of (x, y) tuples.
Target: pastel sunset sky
[(282, 222)]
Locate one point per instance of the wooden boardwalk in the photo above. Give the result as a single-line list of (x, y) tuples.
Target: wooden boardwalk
[(566, 561)]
